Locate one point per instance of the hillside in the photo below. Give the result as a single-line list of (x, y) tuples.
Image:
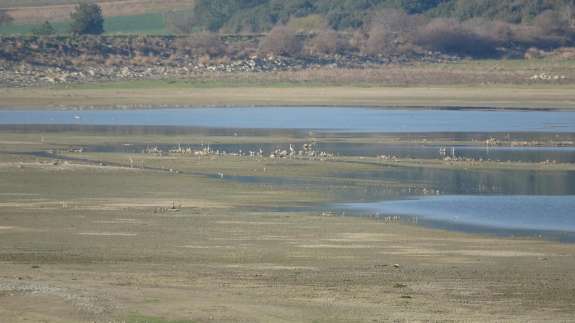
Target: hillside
[(261, 15), (370, 29)]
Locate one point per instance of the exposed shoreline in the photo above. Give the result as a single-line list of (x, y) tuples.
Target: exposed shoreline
[(559, 97), (104, 233)]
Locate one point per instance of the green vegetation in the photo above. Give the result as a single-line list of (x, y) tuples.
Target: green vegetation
[(87, 19), (44, 29), (259, 15), (33, 3), (150, 24), (385, 28), (24, 29), (510, 11)]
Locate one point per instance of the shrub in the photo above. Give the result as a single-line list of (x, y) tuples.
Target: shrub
[(328, 42), (87, 19), (5, 18), (552, 23), (198, 44), (380, 41), (281, 40), (451, 37), (392, 32), (358, 40)]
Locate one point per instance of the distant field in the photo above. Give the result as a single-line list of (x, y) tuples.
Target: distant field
[(151, 23), (29, 12), (31, 3)]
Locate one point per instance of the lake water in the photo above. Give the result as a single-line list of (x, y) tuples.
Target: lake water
[(312, 118), (541, 213), (491, 199), (521, 154)]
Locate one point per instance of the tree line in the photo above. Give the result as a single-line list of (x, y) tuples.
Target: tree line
[(263, 15), (475, 28)]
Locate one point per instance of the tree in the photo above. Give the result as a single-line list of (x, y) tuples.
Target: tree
[(5, 18), (87, 19), (44, 29)]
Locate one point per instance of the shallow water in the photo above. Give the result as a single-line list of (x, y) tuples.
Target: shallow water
[(312, 118), (545, 213), (520, 154), (491, 199), (483, 181)]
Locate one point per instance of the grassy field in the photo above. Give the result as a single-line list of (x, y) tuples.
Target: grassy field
[(33, 3), (149, 24), (97, 241), (35, 12)]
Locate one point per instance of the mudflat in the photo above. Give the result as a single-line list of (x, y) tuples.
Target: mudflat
[(150, 237)]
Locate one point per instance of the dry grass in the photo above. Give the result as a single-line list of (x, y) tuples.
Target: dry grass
[(158, 94)]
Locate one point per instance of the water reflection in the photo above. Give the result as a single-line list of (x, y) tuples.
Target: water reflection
[(544, 213), (313, 118), (462, 181)]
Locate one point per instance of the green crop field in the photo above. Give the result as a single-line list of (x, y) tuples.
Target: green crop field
[(30, 3), (151, 23)]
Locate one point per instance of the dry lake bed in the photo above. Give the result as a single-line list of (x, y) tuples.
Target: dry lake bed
[(287, 215)]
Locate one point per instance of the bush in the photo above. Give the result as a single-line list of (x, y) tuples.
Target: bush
[(328, 42), (380, 42), (451, 37), (5, 18), (87, 19), (281, 40), (553, 23), (199, 44), (502, 33), (392, 32)]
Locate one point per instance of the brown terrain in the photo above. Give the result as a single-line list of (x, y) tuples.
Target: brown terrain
[(96, 243)]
